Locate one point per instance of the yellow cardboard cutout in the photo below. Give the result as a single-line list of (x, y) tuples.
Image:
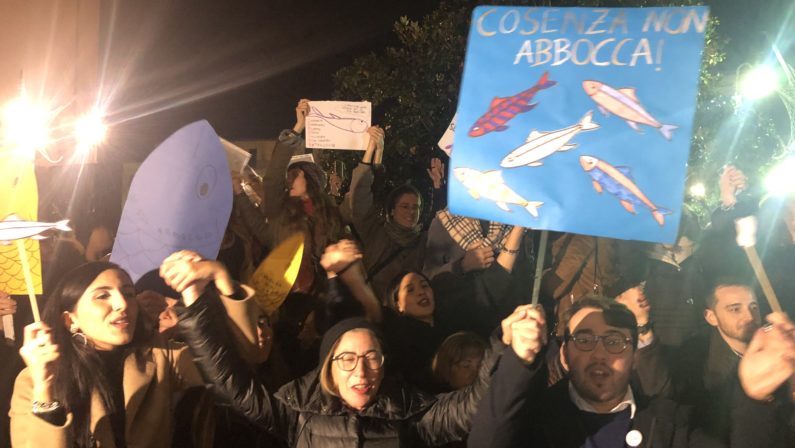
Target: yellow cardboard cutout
[(18, 196), (276, 275)]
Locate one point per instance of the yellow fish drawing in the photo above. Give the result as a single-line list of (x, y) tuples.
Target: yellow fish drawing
[(18, 196)]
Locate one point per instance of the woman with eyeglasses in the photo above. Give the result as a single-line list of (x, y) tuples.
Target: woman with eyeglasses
[(351, 399)]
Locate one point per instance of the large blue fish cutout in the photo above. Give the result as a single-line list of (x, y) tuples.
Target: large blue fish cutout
[(180, 198)]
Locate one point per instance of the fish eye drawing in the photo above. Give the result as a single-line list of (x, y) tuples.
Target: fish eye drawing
[(619, 182), (347, 124), (540, 145), (490, 185), (503, 110), (624, 103)]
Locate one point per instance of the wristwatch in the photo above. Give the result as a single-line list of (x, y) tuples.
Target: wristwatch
[(643, 329), (44, 407)]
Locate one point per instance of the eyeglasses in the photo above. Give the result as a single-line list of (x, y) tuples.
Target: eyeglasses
[(348, 361), (613, 343)]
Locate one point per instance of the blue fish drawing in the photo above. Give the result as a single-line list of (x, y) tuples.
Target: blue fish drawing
[(618, 181), (180, 199)]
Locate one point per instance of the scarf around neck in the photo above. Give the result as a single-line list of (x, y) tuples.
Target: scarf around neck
[(468, 233)]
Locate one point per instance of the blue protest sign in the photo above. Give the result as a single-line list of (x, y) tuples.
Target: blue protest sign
[(578, 119), (180, 198)]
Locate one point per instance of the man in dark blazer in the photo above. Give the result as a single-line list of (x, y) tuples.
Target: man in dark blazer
[(595, 407)]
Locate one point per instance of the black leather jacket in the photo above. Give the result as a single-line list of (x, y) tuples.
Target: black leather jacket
[(305, 416)]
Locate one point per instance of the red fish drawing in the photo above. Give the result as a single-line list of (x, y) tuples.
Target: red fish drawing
[(502, 110)]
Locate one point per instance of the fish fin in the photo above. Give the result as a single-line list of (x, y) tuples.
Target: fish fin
[(630, 93), (496, 102), (494, 176), (501, 128), (625, 170), (503, 206), (533, 135), (38, 237), (526, 108), (532, 208), (604, 111), (597, 186), (585, 122), (634, 126), (544, 82), (568, 147), (659, 215), (474, 194), (12, 217), (63, 226), (667, 130), (628, 206), (535, 164)]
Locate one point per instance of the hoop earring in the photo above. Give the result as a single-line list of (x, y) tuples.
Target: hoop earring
[(77, 334)]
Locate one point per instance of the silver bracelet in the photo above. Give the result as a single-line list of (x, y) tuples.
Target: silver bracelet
[(44, 407)]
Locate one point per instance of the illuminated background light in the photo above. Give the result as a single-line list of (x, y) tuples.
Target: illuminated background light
[(759, 82), (90, 131), (698, 190), (25, 126), (780, 179)]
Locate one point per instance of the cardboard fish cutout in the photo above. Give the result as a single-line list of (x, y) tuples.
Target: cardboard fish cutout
[(180, 198), (276, 275), (19, 200)]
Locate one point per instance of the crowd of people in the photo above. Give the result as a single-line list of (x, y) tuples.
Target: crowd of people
[(409, 326)]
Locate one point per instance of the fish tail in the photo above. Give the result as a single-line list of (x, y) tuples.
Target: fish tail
[(586, 123), (659, 215), (532, 207), (545, 82), (63, 226), (667, 130)]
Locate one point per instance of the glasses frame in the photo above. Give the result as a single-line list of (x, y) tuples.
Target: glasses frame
[(598, 338), (339, 361)]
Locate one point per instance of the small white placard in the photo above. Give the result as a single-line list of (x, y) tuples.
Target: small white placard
[(446, 142), (338, 124)]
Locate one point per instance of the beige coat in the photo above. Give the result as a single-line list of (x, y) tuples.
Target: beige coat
[(149, 386)]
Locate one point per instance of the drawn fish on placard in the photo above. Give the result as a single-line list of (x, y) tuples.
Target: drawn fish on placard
[(624, 103), (180, 198), (502, 110), (540, 145), (618, 181), (490, 185), (354, 125), (18, 198), (15, 228)]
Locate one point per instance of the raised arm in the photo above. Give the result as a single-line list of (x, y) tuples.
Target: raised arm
[(343, 260), (360, 196)]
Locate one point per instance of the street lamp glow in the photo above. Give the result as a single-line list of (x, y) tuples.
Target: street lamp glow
[(760, 82), (780, 179), (90, 131), (698, 190), (26, 127)]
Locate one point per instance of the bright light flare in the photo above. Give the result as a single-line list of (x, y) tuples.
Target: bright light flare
[(90, 131), (26, 126), (780, 179), (698, 190), (759, 82)]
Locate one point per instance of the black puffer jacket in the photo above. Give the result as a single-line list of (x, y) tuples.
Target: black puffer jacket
[(305, 416)]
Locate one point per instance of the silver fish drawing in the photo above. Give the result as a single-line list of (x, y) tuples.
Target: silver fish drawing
[(490, 185), (13, 228), (540, 145), (354, 125), (624, 103)]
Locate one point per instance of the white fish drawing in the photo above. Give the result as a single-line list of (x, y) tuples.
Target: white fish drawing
[(354, 125), (490, 185), (624, 103), (13, 228), (540, 145)]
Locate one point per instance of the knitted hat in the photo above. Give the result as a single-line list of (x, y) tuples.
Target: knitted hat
[(312, 173), (334, 333)]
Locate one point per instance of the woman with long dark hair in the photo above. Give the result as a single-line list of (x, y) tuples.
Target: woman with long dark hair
[(97, 373)]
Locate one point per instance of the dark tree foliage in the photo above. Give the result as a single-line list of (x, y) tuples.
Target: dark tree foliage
[(414, 90)]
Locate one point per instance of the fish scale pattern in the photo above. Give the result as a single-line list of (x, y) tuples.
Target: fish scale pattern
[(12, 278)]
